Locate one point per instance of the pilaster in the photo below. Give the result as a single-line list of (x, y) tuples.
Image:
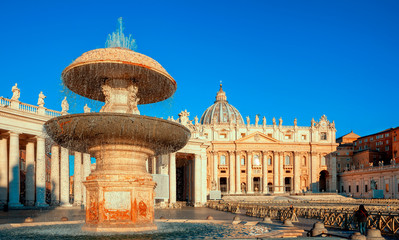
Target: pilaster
[(231, 172), (265, 188), (197, 181), (249, 173), (172, 178), (275, 172), (64, 178), (238, 172), (297, 172)]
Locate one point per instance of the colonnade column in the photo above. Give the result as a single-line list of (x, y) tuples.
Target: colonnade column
[(64, 179), (231, 172), (275, 172), (86, 173), (40, 172), (264, 173), (3, 170), (297, 172), (77, 179), (55, 175), (153, 165), (204, 168), (238, 172), (30, 173), (215, 170), (13, 171), (333, 166), (172, 178), (197, 180), (249, 173)]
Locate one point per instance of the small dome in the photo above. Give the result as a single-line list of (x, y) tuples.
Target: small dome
[(221, 111)]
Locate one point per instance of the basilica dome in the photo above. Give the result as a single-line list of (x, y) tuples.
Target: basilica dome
[(221, 111)]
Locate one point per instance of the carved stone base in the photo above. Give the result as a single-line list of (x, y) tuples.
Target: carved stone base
[(119, 203)]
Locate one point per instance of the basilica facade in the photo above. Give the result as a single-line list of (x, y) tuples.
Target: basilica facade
[(233, 156)]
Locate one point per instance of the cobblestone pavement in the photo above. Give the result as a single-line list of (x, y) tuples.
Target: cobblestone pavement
[(76, 213)]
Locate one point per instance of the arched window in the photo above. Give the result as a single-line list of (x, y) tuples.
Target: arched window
[(287, 160), (242, 161), (323, 161), (256, 160), (223, 160), (304, 161), (269, 161)]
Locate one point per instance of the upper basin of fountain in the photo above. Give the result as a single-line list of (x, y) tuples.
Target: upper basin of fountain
[(80, 132), (88, 73)]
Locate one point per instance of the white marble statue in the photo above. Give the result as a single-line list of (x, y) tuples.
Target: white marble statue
[(15, 92), (256, 120), (40, 101)]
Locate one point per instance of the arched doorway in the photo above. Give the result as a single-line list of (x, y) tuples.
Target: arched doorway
[(323, 181), (223, 184)]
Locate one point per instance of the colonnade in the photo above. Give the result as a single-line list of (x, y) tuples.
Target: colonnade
[(38, 173)]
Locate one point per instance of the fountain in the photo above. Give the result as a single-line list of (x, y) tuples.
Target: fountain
[(120, 192)]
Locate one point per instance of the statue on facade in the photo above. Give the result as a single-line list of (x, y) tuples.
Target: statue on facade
[(312, 123), (196, 120), (40, 101), (15, 92), (280, 122), (214, 185), (183, 117), (64, 105), (295, 122), (264, 121), (86, 109), (274, 121), (247, 120), (373, 184), (256, 120)]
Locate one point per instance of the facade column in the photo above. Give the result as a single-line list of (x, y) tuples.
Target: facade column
[(55, 175), (86, 173), (13, 171), (172, 178), (197, 181), (64, 172), (215, 170), (282, 183), (30, 173), (314, 167), (3, 170), (238, 172), (40, 172), (249, 173), (297, 172), (265, 188), (231, 173), (77, 179), (275, 172), (333, 166)]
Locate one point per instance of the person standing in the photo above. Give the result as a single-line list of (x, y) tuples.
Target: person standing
[(361, 217)]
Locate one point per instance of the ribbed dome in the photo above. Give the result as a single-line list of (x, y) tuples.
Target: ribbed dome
[(221, 111)]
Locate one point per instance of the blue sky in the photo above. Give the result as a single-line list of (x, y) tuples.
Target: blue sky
[(278, 59)]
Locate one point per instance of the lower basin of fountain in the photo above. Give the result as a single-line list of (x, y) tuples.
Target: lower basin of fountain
[(166, 230)]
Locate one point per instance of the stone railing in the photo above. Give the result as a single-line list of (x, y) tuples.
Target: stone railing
[(370, 169), (4, 102), (333, 216)]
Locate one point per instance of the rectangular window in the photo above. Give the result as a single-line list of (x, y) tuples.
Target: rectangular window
[(371, 139), (222, 136), (223, 171), (386, 148), (347, 153), (323, 136), (387, 135), (366, 188), (242, 171), (366, 140), (394, 138), (357, 188), (386, 187), (360, 148), (339, 166), (303, 137), (349, 188), (387, 141), (269, 171), (355, 143), (378, 149)]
